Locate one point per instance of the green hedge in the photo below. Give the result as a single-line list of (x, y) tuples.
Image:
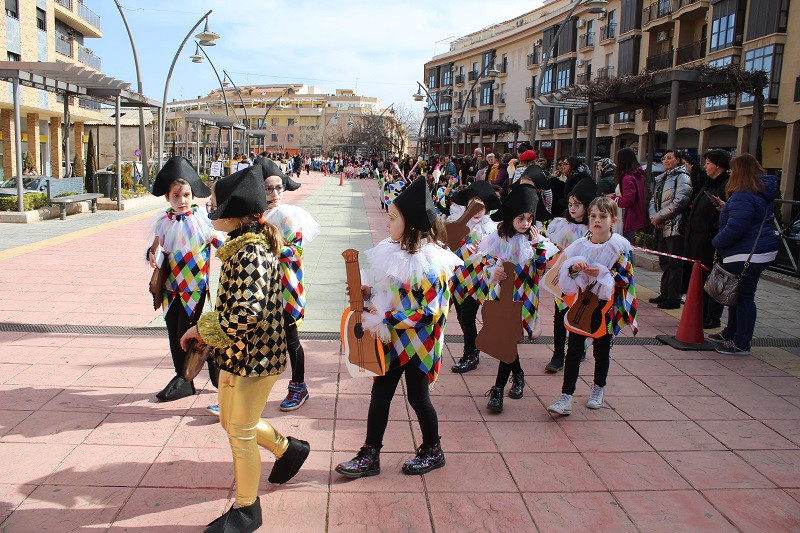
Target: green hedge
[(31, 202)]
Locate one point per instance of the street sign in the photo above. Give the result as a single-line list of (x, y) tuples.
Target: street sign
[(216, 168), (137, 152)]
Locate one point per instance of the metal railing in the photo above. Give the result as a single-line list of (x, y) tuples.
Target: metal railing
[(65, 3), (533, 59), (660, 61), (678, 4), (459, 79), (582, 78), (609, 31), (500, 99), (85, 103), (527, 125), (691, 52), (88, 15), (656, 10), (788, 260), (86, 57), (63, 46), (529, 93), (472, 75), (485, 115), (605, 73), (586, 40)]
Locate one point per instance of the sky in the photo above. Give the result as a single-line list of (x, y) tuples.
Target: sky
[(377, 48)]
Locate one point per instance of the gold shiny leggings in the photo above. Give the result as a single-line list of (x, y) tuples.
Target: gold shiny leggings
[(241, 401)]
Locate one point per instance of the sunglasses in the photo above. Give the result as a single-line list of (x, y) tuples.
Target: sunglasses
[(270, 189)]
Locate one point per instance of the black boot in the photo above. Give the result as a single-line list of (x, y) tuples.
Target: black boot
[(290, 462), (176, 389), (517, 385), (428, 458), (469, 361), (556, 363), (367, 462), (495, 395), (238, 520)]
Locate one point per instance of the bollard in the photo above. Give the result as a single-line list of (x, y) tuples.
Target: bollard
[(341, 179)]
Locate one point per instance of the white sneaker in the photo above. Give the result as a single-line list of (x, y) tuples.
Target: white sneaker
[(563, 406), (596, 399)]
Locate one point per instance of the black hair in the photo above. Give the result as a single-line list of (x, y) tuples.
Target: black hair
[(506, 229), (626, 162)]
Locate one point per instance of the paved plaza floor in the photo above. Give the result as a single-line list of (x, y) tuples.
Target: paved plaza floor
[(688, 440)]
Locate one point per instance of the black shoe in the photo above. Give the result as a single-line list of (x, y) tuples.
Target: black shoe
[(238, 520), (290, 462), (367, 462), (176, 389), (657, 300), (670, 304), (469, 361), (517, 385), (428, 458), (712, 323), (555, 364), (495, 395)]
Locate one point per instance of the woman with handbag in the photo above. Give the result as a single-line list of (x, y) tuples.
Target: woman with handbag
[(745, 246), (629, 177)]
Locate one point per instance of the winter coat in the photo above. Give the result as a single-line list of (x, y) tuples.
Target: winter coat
[(632, 200), (702, 223), (740, 221), (581, 172), (606, 184), (671, 196)]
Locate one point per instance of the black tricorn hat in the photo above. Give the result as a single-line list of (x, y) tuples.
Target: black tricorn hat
[(585, 191), (479, 189), (177, 168), (271, 168), (520, 199), (416, 205), (536, 175), (240, 194)]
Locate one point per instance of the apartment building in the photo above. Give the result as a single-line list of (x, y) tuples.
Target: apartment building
[(46, 31), (492, 75)]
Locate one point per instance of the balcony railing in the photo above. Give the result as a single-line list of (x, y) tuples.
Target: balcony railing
[(65, 3), (472, 75), (609, 31), (586, 40), (529, 93), (85, 103), (63, 45), (485, 115), (500, 99), (691, 52), (656, 10), (471, 104), (605, 73), (660, 61), (88, 15), (86, 57), (582, 78), (533, 59), (459, 79), (689, 108), (527, 125), (504, 66)]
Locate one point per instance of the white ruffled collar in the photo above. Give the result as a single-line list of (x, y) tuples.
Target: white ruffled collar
[(387, 259), (517, 249)]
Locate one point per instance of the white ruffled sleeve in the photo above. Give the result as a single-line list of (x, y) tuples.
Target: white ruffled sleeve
[(605, 283), (568, 284), (375, 323)]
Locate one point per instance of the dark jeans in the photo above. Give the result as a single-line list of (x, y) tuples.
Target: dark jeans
[(419, 398), (469, 316), (178, 323), (559, 331), (742, 316), (297, 357), (601, 348), (504, 372), (672, 268)]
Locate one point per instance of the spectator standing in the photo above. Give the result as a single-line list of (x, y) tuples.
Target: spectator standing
[(630, 192), (606, 184)]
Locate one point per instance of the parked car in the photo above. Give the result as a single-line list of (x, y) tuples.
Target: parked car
[(791, 236), (29, 185)]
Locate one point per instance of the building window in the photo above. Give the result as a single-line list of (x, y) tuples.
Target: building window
[(722, 102), (274, 137), (770, 17), (564, 75), (12, 9), (768, 59), (14, 57), (547, 81), (797, 89), (447, 76), (290, 137), (486, 95), (290, 122), (612, 24), (563, 118), (273, 122), (41, 19)]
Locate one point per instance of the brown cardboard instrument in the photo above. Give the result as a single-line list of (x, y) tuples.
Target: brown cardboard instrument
[(502, 321), (550, 279), (363, 350), (196, 356), (587, 313), (457, 229), (158, 280)]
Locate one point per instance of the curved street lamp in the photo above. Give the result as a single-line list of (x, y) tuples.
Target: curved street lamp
[(490, 71)]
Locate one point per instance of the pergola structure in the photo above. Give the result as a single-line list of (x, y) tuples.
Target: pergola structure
[(69, 80), (495, 128), (215, 121)]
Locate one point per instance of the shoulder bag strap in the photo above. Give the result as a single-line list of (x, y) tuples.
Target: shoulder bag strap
[(753, 249)]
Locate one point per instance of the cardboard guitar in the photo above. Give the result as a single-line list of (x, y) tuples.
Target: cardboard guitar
[(457, 229), (587, 314), (502, 321), (362, 349), (550, 279)]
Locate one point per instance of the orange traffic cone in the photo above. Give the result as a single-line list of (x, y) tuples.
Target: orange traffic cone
[(341, 179), (690, 330)]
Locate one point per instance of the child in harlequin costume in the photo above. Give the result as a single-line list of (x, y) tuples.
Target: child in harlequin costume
[(247, 334), (185, 234), (444, 194), (298, 228), (562, 232), (480, 226), (604, 258), (408, 291), (516, 240)]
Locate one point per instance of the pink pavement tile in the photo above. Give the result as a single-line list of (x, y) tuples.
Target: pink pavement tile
[(757, 510), (716, 470), (458, 408), (635, 471), (78, 355), (782, 386), (171, 510), (496, 512), (461, 436), (95, 465), (677, 435), (351, 513), (746, 435), (669, 353), (788, 428), (56, 428), (346, 385), (621, 352), (577, 511), (26, 355), (42, 375), (794, 493), (450, 385), (12, 496), (66, 508), (552, 472), (295, 511), (134, 430), (605, 436), (645, 408), (675, 511), (530, 437), (9, 371), (750, 366), (765, 406), (42, 339), (545, 386), (391, 479), (701, 367), (676, 386), (100, 376), (87, 400), (191, 468), (314, 476), (471, 472), (31, 463), (639, 367), (529, 408), (782, 467), (350, 435), (355, 407), (9, 419), (707, 408), (317, 406), (202, 431), (143, 401), (732, 385), (318, 433)]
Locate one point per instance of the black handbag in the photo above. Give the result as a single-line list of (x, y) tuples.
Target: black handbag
[(722, 285)]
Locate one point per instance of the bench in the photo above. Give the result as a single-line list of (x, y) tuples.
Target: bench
[(56, 187)]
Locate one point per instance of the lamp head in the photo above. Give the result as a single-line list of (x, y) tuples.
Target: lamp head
[(350, 121), (207, 43), (492, 72), (197, 58), (596, 6), (207, 34), (418, 97)]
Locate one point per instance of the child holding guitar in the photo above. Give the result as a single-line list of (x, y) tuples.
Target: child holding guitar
[(407, 287), (603, 264)]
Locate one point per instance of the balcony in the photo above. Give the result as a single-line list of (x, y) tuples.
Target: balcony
[(86, 57), (76, 15), (533, 60), (63, 45), (502, 68), (459, 79), (660, 61), (485, 115), (657, 10), (605, 73), (472, 75), (471, 104), (586, 40), (500, 99), (689, 108), (689, 8), (608, 32), (527, 125), (582, 78), (88, 15), (85, 103), (65, 3), (691, 52), (529, 92)]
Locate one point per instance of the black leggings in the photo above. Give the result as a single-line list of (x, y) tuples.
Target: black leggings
[(469, 315), (178, 323), (601, 348), (559, 331), (297, 357), (504, 372), (419, 398)]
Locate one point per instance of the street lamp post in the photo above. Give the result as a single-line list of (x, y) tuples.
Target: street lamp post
[(489, 71), (245, 140), (205, 35), (418, 98), (277, 105)]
